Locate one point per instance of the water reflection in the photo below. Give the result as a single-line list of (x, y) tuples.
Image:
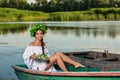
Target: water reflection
[(110, 32), (12, 28)]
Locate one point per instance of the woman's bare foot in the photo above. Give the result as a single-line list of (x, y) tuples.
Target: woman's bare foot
[(77, 65)]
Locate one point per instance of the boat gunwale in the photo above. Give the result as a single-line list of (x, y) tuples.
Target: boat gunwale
[(46, 73)]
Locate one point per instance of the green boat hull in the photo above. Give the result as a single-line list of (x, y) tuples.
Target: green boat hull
[(26, 74)]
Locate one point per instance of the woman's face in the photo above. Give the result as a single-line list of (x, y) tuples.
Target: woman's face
[(39, 35)]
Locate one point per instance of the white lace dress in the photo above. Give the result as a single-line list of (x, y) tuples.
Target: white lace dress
[(33, 64)]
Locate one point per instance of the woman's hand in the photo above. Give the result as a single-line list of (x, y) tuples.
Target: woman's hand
[(32, 56)]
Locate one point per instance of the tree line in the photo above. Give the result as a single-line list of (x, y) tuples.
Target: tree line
[(60, 5)]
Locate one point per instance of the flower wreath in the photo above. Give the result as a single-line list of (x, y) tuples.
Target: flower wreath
[(38, 27)]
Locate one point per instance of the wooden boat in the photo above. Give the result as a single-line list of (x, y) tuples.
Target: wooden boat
[(96, 59), (87, 73)]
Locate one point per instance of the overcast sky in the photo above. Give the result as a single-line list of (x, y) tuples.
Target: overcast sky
[(29, 1)]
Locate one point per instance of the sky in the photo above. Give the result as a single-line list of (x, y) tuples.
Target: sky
[(29, 1)]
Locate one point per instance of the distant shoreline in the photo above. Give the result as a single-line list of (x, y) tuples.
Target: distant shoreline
[(99, 14)]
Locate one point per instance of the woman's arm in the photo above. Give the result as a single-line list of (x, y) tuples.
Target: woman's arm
[(26, 56), (32, 56)]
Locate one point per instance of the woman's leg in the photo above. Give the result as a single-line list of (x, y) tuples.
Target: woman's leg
[(68, 60), (56, 59)]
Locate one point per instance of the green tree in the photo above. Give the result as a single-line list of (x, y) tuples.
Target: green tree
[(41, 2), (114, 3), (4, 3), (20, 4)]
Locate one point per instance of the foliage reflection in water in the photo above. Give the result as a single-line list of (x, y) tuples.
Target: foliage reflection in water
[(109, 31)]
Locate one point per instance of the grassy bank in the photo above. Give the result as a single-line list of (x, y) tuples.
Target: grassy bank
[(92, 14), (8, 14)]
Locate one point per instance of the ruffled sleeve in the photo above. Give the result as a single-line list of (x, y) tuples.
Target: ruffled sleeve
[(26, 56)]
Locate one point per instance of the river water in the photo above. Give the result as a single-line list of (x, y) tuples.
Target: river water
[(61, 36)]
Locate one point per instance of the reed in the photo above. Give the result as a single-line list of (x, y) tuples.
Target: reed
[(10, 14), (92, 14)]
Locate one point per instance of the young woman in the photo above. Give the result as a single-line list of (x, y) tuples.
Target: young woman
[(39, 47)]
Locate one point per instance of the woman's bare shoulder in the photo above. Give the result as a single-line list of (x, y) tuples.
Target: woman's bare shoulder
[(31, 44), (34, 44)]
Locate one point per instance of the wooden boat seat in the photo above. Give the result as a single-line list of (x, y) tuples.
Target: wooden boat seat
[(110, 59), (101, 58)]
